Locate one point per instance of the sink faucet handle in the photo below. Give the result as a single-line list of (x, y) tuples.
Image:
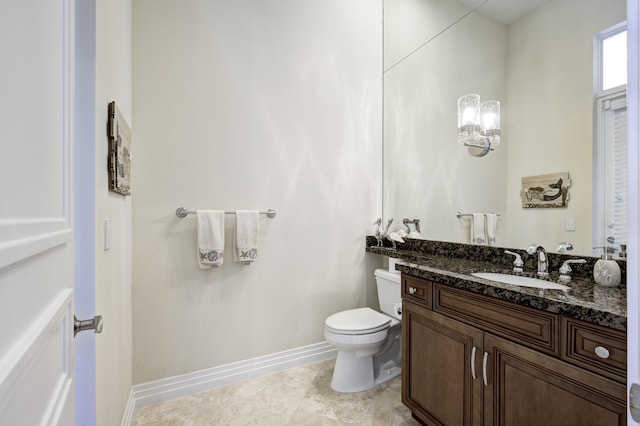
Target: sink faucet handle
[(565, 269), (564, 246), (517, 263)]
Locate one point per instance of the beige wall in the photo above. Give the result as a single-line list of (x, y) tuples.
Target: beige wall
[(549, 115), (248, 105), (113, 267)]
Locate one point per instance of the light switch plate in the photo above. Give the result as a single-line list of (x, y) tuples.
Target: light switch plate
[(570, 224)]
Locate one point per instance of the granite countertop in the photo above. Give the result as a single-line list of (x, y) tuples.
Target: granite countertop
[(585, 300)]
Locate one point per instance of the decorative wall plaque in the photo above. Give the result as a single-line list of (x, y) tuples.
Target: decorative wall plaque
[(119, 152), (545, 191)]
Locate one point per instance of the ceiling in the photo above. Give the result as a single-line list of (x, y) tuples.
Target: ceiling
[(505, 11)]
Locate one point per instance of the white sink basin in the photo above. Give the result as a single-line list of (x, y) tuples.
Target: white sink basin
[(518, 280)]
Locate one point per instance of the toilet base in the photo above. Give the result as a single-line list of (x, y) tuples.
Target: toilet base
[(352, 373), (355, 372), (388, 372)]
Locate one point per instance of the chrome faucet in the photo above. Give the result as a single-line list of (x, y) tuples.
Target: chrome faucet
[(543, 259)]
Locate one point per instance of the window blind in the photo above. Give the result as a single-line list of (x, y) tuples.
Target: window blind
[(618, 230), (610, 207)]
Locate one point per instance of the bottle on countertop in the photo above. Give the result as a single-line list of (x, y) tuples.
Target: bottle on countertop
[(606, 272)]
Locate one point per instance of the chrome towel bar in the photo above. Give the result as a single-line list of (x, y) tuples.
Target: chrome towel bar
[(461, 215), (181, 212)]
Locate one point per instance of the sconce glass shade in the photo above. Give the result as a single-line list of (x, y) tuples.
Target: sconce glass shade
[(490, 121), (468, 118)]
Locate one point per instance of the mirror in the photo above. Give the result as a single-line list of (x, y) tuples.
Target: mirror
[(539, 63)]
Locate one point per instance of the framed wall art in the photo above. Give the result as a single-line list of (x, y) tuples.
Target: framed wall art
[(119, 152), (545, 191)]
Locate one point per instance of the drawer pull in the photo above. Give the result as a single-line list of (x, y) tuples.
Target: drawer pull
[(412, 290), (473, 363), (602, 352)]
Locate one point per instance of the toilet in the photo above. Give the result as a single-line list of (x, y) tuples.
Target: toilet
[(368, 342)]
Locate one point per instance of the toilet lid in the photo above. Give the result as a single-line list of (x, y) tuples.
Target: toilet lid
[(357, 321)]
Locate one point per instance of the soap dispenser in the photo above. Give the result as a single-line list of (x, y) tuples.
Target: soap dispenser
[(606, 271)]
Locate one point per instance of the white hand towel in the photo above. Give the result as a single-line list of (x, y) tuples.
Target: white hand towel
[(492, 223), (210, 238), (245, 243), (477, 229)]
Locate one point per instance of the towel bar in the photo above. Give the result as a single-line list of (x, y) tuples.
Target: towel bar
[(461, 215), (181, 212)]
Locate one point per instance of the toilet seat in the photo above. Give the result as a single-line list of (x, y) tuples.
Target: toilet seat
[(357, 321)]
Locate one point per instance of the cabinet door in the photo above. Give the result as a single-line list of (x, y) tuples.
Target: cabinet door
[(529, 388), (437, 355)]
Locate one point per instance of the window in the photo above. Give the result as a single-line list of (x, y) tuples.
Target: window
[(610, 139), (611, 58), (610, 218)]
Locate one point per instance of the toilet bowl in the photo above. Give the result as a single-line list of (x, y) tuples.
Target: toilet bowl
[(368, 341)]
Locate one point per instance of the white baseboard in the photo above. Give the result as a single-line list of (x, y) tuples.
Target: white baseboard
[(170, 388)]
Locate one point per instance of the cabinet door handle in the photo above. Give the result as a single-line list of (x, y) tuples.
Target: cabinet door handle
[(412, 290), (473, 363), (602, 352), (484, 368)]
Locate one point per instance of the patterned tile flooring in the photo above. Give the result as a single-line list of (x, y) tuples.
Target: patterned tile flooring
[(298, 396)]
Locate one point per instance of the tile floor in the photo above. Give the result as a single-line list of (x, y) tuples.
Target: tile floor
[(298, 396)]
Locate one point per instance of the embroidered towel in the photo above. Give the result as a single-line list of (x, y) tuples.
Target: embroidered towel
[(492, 222), (245, 243), (210, 238), (477, 229)]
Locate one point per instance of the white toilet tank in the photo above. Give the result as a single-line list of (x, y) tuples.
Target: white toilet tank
[(389, 292)]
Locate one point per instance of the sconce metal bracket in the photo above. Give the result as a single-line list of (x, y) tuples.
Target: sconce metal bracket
[(480, 149)]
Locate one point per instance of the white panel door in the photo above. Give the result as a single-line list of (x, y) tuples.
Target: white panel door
[(36, 238)]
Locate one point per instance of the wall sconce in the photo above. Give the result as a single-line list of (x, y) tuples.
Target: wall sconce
[(478, 124)]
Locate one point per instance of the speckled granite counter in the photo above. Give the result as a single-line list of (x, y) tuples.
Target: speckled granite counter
[(585, 300)]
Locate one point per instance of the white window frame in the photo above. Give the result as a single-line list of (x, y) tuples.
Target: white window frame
[(605, 102), (598, 56)]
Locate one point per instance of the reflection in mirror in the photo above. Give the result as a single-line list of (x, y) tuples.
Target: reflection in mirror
[(610, 165), (539, 66)]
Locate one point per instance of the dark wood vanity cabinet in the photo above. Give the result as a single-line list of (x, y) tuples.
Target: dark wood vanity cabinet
[(468, 364), (437, 381), (529, 388)]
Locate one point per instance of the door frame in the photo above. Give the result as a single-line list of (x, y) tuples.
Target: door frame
[(84, 151), (633, 108)]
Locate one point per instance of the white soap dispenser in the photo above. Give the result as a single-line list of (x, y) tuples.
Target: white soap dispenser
[(606, 271)]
